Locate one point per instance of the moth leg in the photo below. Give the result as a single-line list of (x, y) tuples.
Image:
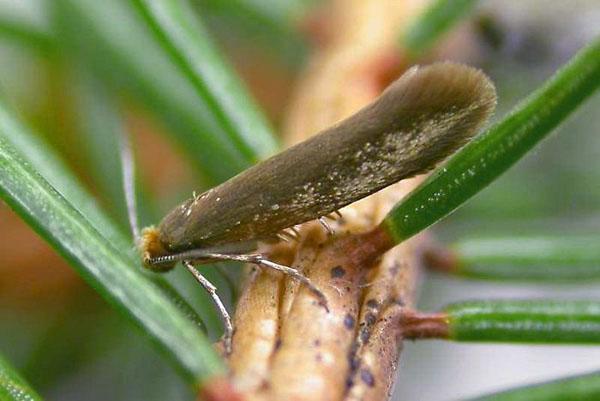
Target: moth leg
[(336, 215), (282, 237), (333, 216), (288, 235), (292, 232), (326, 225), (260, 260), (295, 274), (212, 291)]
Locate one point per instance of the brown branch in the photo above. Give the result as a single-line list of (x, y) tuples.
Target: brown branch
[(417, 325), (439, 258)]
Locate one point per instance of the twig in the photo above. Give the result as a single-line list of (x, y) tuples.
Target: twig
[(299, 351)]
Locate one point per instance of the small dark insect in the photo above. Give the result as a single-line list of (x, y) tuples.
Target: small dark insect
[(420, 119)]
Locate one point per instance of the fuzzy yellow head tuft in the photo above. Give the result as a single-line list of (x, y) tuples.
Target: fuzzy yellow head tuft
[(151, 247)]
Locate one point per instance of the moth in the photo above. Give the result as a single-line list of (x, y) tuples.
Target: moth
[(419, 120)]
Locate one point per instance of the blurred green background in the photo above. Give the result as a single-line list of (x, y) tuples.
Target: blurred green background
[(72, 80)]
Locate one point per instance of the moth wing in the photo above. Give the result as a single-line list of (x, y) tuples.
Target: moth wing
[(420, 119)]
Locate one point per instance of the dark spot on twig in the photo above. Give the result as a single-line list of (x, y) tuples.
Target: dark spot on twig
[(349, 382), (370, 318), (354, 363), (349, 321), (399, 301), (277, 344), (317, 343), (367, 377), (372, 303), (364, 334), (337, 272), (395, 269)]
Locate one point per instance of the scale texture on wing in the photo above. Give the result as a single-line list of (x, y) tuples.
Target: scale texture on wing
[(420, 119)]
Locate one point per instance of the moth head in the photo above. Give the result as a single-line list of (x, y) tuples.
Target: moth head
[(151, 248)]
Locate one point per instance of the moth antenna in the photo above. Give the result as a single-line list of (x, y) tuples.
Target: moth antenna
[(128, 165)]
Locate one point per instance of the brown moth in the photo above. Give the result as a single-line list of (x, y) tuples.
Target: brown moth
[(420, 119)]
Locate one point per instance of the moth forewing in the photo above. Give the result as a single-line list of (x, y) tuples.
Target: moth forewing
[(420, 119)]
